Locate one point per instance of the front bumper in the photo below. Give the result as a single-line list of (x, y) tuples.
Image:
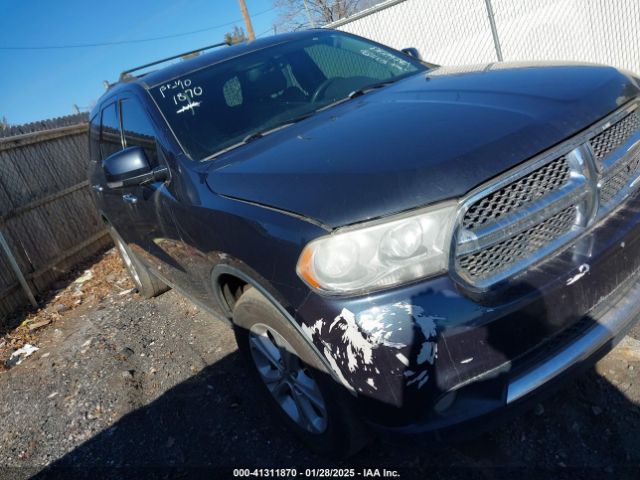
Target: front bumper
[(475, 409), (429, 356)]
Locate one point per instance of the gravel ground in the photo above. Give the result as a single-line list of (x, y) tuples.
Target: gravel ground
[(133, 388)]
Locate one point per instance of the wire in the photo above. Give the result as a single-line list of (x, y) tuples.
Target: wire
[(271, 29), (125, 42), (265, 32)]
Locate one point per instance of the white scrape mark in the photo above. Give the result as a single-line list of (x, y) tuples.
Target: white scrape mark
[(427, 352), (582, 271), (404, 360), (427, 324), (335, 368), (467, 360), (371, 383), (316, 328), (383, 325), (357, 345), (419, 379), (359, 335), (189, 106), (313, 329)]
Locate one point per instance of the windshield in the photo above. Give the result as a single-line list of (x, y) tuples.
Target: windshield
[(215, 108)]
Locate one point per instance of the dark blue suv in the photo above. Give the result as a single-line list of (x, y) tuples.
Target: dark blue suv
[(401, 248)]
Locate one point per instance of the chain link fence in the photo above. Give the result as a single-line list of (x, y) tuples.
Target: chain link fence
[(457, 32)]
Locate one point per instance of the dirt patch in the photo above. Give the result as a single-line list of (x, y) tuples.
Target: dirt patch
[(85, 287)]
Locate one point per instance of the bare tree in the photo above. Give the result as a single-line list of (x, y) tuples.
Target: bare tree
[(300, 14), (237, 35)]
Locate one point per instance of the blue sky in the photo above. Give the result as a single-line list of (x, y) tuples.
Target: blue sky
[(39, 84)]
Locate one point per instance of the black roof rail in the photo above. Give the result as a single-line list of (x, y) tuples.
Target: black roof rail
[(127, 73)]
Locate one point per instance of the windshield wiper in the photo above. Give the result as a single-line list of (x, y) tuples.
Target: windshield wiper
[(277, 126), (261, 133), (369, 88), (356, 93)]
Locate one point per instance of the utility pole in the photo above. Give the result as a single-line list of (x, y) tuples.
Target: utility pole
[(494, 29), (247, 20)]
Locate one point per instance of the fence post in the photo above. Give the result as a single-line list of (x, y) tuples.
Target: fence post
[(494, 29), (16, 270)]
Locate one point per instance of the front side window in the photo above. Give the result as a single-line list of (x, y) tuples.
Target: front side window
[(94, 138), (110, 139), (137, 129), (217, 107)]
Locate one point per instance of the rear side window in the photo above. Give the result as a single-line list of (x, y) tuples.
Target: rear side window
[(110, 140), (138, 129)]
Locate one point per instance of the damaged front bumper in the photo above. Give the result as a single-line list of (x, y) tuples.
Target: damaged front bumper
[(431, 356)]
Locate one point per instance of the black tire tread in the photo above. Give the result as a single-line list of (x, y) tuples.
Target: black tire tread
[(150, 285)]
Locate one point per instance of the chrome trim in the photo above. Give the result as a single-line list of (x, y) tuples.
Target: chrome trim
[(581, 177), (581, 157), (520, 221), (607, 328), (519, 265), (587, 175)]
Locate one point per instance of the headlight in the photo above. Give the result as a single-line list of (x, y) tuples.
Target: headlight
[(380, 254)]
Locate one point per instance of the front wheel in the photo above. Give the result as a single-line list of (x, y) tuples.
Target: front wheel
[(293, 381)]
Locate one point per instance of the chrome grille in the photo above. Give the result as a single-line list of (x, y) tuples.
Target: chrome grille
[(526, 215), (517, 194), (606, 142), (615, 182), (492, 260)]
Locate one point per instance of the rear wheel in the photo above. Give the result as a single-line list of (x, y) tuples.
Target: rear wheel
[(147, 284), (293, 381)]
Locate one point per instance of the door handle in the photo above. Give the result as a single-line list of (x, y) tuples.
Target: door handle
[(130, 199), (97, 188)]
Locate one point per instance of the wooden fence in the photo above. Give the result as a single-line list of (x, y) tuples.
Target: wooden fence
[(47, 215)]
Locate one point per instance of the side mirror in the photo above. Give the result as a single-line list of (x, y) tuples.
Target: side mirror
[(412, 52), (130, 167)]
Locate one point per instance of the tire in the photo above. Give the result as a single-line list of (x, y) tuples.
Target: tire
[(147, 284), (337, 431)]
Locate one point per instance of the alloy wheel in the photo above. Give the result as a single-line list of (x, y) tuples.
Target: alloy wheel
[(287, 378)]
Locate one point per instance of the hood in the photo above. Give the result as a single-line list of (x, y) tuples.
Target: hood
[(430, 137)]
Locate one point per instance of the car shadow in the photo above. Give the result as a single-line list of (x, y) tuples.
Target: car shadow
[(215, 422)]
